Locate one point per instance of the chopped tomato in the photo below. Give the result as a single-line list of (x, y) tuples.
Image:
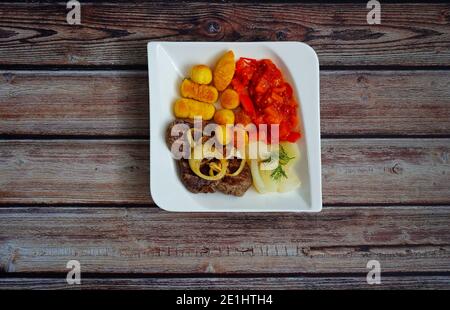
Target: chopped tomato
[(289, 91), (245, 68), (247, 104), (266, 98), (263, 86), (242, 118), (272, 116), (284, 130), (293, 136)]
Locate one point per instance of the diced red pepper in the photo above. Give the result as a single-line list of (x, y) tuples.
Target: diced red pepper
[(247, 104), (242, 118), (272, 116), (289, 91), (266, 98), (293, 136), (262, 86)]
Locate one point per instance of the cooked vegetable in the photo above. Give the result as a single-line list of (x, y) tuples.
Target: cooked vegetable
[(195, 165), (201, 74), (189, 108), (266, 98), (224, 116), (293, 136), (229, 99), (269, 185), (224, 70), (242, 118), (247, 104), (258, 182), (292, 182), (291, 149), (251, 92), (283, 159), (279, 178), (204, 93)]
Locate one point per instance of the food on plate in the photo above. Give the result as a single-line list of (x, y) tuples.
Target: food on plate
[(272, 171), (216, 170), (224, 71), (242, 118), (266, 98), (201, 74), (200, 92), (252, 93), (229, 99), (235, 177), (224, 116), (238, 184), (190, 108)]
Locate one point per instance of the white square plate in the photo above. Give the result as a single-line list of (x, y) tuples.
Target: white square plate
[(169, 63)]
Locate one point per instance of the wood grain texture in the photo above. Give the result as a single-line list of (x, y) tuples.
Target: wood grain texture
[(109, 103), (116, 34), (354, 171), (115, 103), (152, 241), (386, 170), (246, 283), (74, 171), (385, 102)]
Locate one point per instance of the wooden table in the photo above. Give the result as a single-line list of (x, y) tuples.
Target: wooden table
[(74, 161)]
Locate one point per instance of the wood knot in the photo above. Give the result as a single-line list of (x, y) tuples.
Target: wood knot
[(204, 251), (281, 35), (8, 76), (362, 79), (133, 168), (213, 27), (72, 58), (396, 169), (4, 34), (210, 268), (306, 251)]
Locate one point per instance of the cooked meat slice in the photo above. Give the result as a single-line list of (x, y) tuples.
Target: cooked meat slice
[(236, 185), (194, 183)]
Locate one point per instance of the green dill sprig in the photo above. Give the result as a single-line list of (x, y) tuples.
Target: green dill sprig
[(283, 159), (278, 173)]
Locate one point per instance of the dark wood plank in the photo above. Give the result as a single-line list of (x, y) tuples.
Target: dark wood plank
[(355, 171), (109, 103), (115, 103), (385, 102), (249, 283), (152, 241), (116, 33), (386, 170), (91, 171)]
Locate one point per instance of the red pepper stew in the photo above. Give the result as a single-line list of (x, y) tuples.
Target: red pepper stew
[(265, 97)]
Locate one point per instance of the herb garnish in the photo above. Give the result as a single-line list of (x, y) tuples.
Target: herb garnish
[(283, 159)]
